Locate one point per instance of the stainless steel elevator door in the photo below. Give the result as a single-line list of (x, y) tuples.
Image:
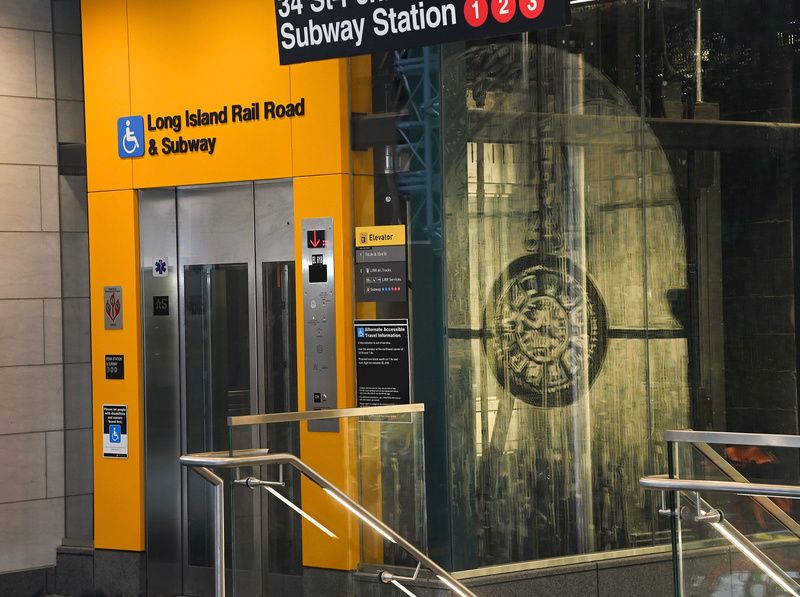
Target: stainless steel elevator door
[(216, 283), (224, 344)]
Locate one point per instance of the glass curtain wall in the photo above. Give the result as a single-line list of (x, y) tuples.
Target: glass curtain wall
[(619, 260)]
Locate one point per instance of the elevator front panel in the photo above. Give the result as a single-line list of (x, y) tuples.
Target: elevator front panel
[(319, 318), (218, 303)]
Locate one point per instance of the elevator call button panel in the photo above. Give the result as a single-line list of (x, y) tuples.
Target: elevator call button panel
[(319, 319)]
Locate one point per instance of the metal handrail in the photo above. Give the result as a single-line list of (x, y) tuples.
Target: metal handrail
[(702, 440), (201, 462), (715, 517), (329, 413), (664, 483), (740, 439)]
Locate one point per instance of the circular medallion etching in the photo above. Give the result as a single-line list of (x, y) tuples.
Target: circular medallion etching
[(547, 330)]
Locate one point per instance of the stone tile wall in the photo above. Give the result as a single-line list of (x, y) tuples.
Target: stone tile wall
[(31, 355), (45, 374)]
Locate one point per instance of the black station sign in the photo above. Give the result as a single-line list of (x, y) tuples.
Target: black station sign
[(115, 366), (321, 29)]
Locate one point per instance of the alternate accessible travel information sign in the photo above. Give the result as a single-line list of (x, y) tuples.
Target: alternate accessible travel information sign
[(321, 29), (382, 362)]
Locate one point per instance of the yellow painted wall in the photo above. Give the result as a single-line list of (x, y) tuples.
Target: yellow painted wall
[(333, 454), (160, 58), (114, 258), (144, 57)]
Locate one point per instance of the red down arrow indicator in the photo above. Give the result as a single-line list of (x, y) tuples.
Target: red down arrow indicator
[(316, 238)]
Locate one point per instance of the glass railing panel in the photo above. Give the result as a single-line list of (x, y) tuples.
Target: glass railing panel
[(391, 476), (754, 549), (746, 553), (377, 460)]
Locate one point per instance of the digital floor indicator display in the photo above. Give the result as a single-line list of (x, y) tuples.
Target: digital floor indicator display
[(321, 29)]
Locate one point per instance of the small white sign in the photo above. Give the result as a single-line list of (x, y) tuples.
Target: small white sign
[(160, 268), (115, 431)]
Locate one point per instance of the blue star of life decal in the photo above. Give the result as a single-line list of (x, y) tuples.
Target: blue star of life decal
[(160, 267)]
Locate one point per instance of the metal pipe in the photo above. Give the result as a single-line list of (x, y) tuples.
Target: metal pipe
[(387, 577), (219, 528), (710, 515), (253, 482), (663, 482), (758, 557), (740, 439), (665, 510), (332, 413)]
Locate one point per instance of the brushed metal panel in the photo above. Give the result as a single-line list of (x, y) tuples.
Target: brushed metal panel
[(158, 239), (215, 224), (319, 324), (274, 209)]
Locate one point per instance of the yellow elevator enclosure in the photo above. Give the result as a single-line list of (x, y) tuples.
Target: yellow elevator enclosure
[(154, 59)]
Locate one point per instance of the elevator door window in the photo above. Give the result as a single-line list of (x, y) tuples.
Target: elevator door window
[(217, 379)]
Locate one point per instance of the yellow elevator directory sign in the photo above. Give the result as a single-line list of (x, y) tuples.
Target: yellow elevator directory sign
[(381, 270), (380, 236)]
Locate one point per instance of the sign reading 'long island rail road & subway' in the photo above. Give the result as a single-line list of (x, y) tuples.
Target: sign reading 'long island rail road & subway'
[(320, 29), (192, 131)]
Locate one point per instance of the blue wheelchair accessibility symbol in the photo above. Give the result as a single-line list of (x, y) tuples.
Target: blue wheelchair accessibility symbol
[(360, 332), (130, 134), (115, 434)]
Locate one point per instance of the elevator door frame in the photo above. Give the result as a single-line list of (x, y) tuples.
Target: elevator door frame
[(167, 217)]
